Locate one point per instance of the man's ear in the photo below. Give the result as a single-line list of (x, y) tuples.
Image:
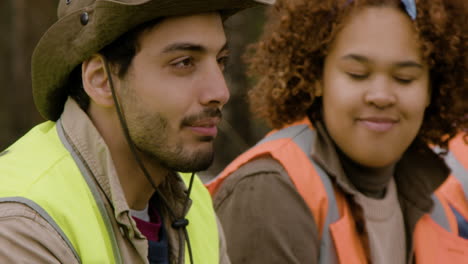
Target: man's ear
[(96, 82)]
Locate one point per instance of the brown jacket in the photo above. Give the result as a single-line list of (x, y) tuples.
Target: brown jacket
[(266, 220), (25, 237)]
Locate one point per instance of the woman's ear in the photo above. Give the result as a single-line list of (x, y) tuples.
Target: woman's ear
[(96, 82), (429, 96), (318, 88)]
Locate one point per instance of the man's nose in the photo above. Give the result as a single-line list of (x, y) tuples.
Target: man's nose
[(215, 90)]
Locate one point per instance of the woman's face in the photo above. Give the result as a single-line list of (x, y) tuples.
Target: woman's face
[(375, 86)]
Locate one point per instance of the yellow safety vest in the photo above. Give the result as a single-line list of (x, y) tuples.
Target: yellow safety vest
[(41, 171)]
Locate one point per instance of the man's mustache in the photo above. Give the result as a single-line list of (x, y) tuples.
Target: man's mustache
[(208, 113)]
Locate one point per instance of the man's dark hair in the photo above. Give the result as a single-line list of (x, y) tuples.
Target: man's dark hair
[(119, 54)]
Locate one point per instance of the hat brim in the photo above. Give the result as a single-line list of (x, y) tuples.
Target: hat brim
[(67, 43)]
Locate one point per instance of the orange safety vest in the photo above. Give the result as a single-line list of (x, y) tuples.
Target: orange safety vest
[(455, 189), (434, 239)]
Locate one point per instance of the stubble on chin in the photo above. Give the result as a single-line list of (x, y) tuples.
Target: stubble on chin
[(182, 160)]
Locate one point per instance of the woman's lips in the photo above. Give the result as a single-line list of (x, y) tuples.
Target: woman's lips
[(378, 124)]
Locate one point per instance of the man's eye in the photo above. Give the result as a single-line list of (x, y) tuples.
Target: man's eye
[(183, 63), (223, 61)]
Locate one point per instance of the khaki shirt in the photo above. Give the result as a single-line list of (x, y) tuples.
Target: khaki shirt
[(25, 237), (266, 220)]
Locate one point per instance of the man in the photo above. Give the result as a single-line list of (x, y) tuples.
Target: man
[(133, 92)]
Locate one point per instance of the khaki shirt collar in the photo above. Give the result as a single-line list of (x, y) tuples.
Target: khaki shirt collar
[(93, 149)]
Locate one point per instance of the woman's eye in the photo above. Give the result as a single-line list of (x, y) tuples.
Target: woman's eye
[(358, 76), (403, 80)]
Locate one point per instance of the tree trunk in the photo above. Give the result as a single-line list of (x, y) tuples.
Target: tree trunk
[(22, 23)]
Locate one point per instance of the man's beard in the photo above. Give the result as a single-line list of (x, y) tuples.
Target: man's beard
[(151, 137)]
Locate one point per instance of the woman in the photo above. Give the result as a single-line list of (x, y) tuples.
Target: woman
[(357, 91)]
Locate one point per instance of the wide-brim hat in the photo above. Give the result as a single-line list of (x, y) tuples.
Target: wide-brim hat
[(86, 26)]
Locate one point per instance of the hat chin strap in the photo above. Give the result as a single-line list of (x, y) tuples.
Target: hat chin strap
[(179, 222)]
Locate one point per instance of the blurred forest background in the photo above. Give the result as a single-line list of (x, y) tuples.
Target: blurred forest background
[(22, 23)]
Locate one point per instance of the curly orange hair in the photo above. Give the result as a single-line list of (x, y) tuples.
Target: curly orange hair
[(289, 58)]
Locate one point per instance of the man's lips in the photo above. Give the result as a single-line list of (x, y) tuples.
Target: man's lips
[(378, 124), (205, 127)]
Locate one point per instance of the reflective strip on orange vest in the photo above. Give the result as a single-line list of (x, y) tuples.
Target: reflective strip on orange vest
[(439, 215), (455, 189), (457, 160)]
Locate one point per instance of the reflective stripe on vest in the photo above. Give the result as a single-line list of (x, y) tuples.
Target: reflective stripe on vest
[(455, 189), (44, 215), (72, 205), (458, 170), (439, 214)]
